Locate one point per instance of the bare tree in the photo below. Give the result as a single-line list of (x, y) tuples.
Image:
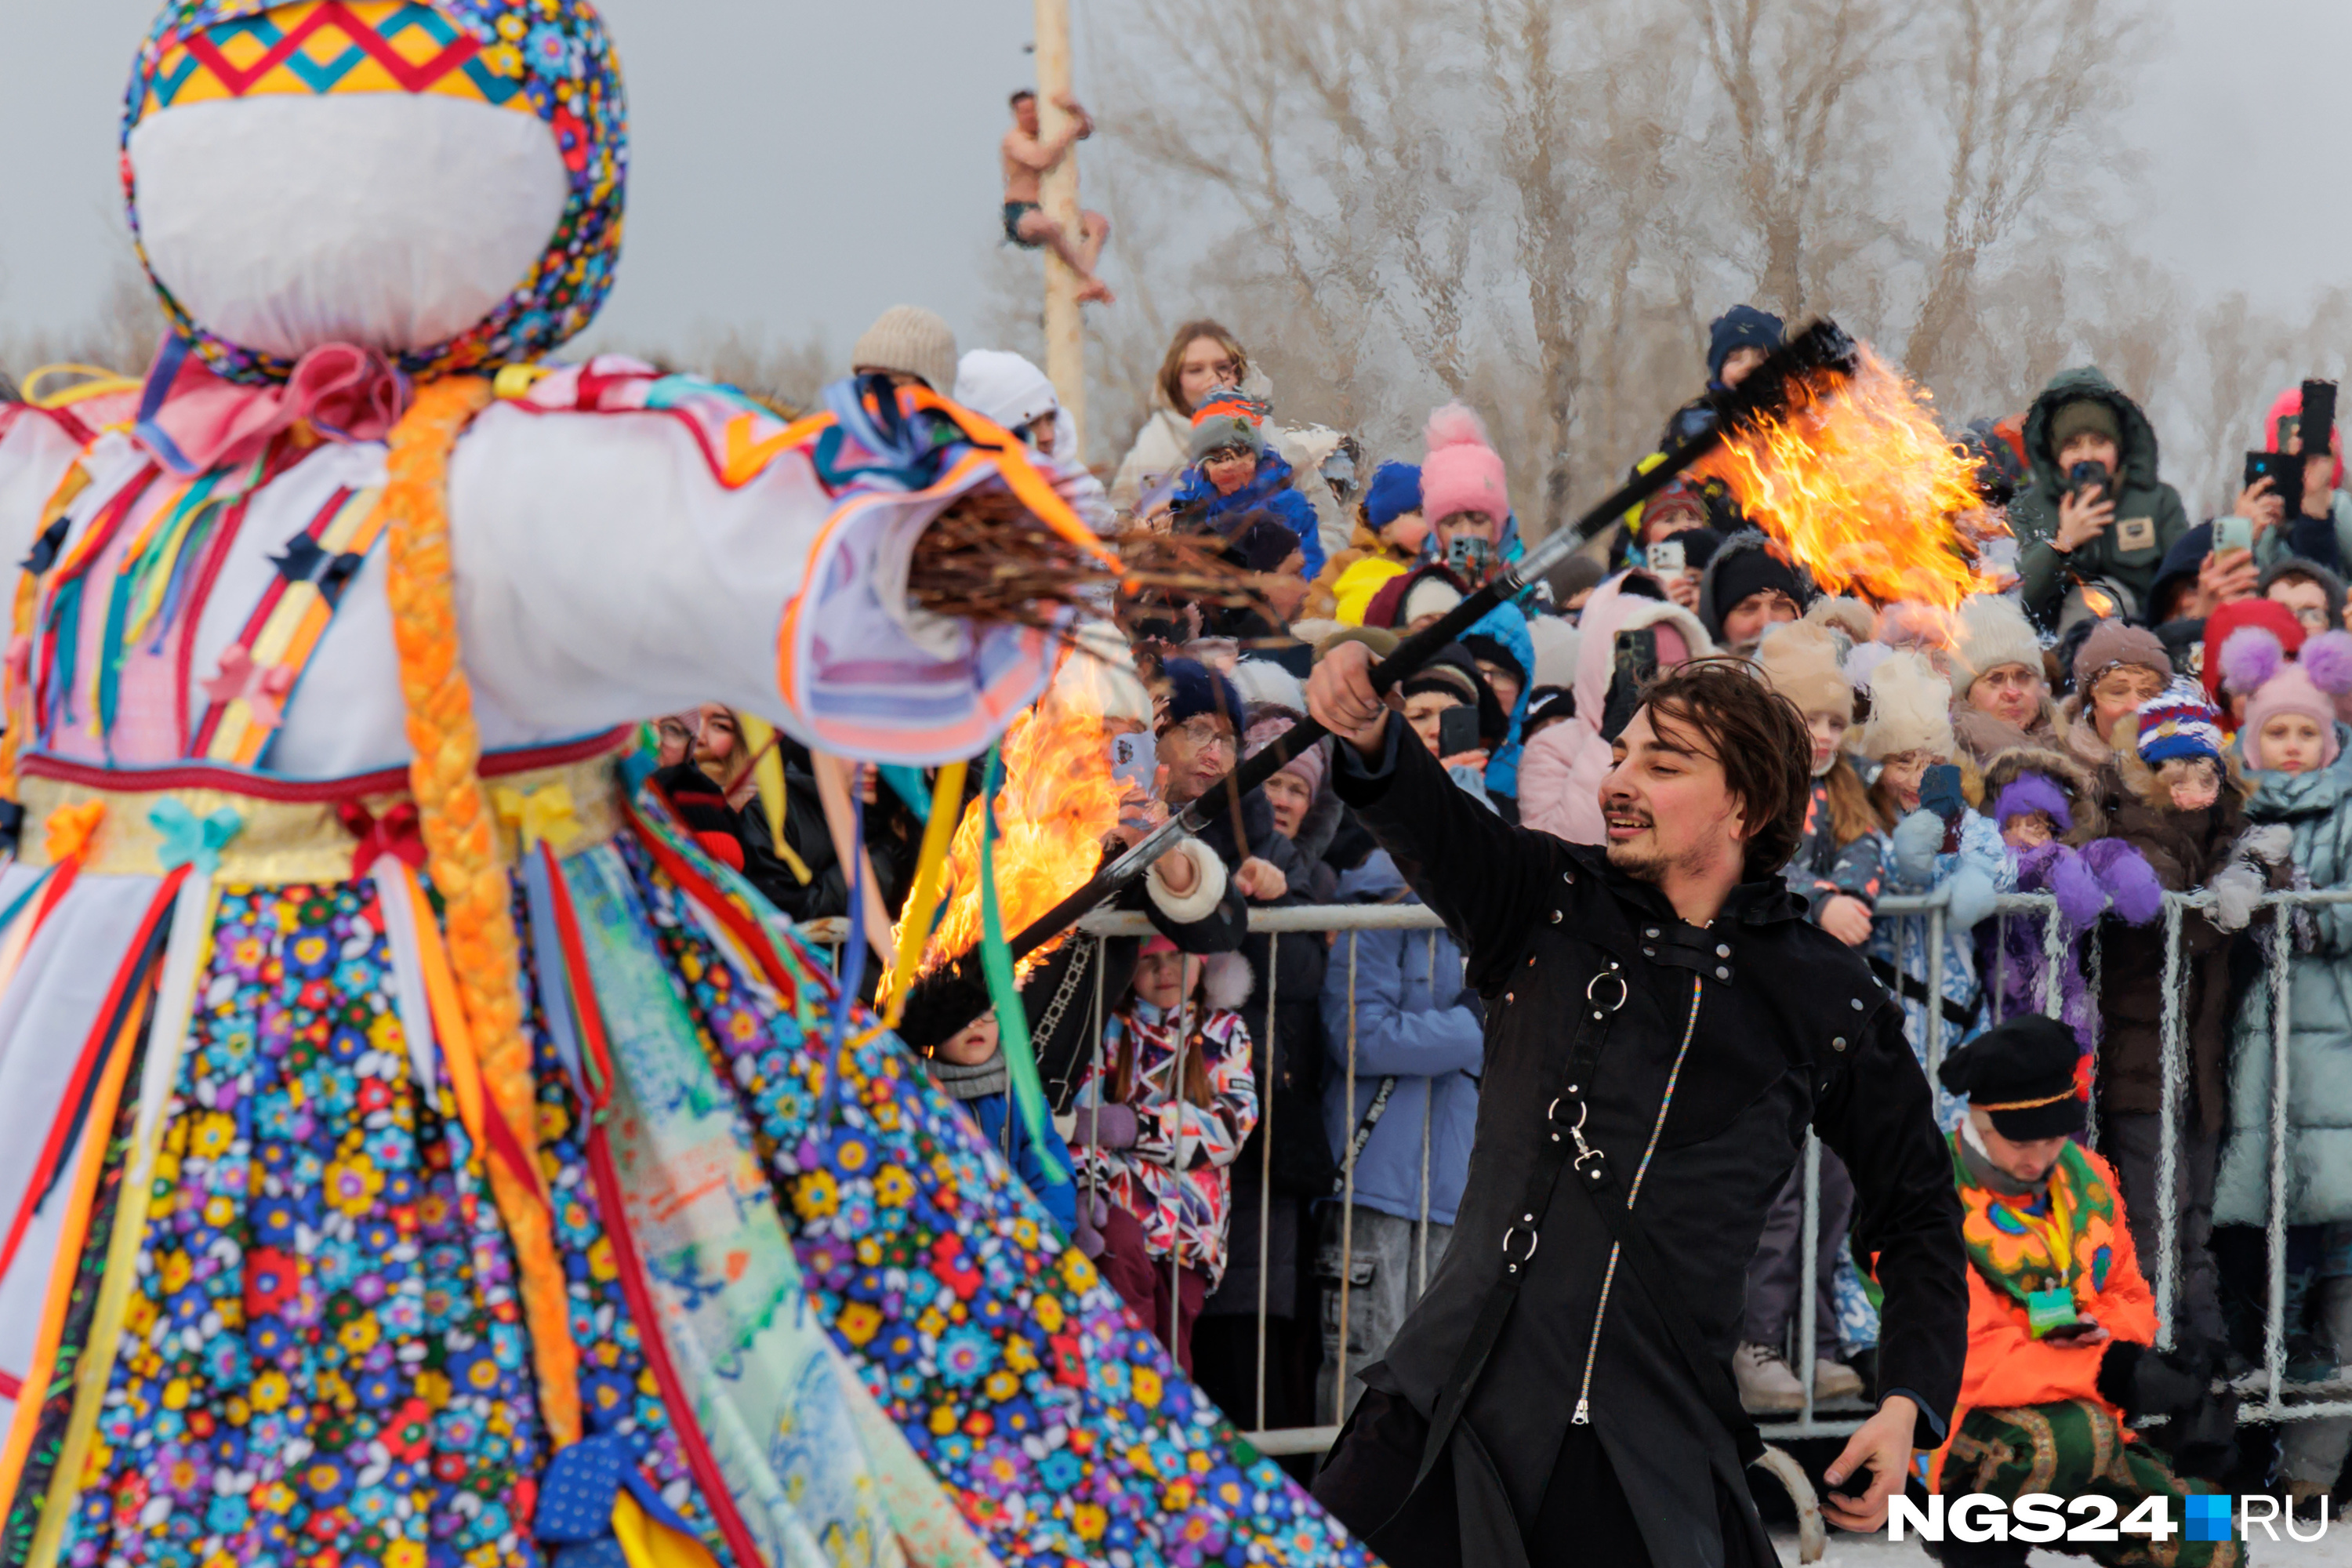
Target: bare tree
[(1788, 73), (1538, 203), (119, 335), (2018, 85)]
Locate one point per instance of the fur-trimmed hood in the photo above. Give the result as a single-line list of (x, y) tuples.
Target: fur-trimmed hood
[(2074, 733), (2140, 781), (2078, 783)]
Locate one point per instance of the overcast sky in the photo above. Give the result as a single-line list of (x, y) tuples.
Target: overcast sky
[(802, 166)]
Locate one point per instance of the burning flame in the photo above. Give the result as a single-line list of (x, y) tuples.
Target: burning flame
[(1057, 803), (1861, 487)]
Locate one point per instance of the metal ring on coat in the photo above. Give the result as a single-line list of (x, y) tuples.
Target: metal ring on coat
[(1624, 991)]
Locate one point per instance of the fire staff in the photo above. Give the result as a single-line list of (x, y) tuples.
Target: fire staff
[(1662, 1025)]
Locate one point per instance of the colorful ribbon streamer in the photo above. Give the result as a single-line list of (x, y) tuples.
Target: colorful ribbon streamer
[(923, 904), (996, 963)]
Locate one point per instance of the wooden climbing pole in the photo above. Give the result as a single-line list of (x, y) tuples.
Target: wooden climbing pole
[(1065, 338)]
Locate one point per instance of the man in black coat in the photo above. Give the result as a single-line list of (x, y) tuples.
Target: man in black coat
[(1662, 1024)]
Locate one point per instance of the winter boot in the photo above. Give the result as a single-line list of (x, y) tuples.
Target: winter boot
[(1767, 1386)]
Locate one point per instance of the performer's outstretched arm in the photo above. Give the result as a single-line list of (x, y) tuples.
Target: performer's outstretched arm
[(1489, 882), (612, 564)]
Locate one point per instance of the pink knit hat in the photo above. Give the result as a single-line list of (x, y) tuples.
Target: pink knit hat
[(1309, 765), (2252, 660), (1462, 472)]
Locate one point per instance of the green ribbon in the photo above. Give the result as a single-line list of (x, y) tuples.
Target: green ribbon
[(192, 840), (996, 963)]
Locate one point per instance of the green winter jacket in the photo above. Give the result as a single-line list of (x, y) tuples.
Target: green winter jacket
[(2145, 507), (2317, 809)]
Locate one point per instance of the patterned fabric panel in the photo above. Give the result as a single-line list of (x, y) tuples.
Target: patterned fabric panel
[(550, 57), (1060, 1428), (328, 46), (618, 1393), (323, 1360)]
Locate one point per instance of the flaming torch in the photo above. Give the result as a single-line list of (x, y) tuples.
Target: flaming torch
[(1832, 451), (1058, 802), (1852, 478)]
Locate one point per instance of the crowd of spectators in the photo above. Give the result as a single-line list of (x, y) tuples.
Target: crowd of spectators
[(2148, 707)]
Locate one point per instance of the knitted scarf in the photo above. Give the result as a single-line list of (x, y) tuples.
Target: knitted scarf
[(960, 1083)]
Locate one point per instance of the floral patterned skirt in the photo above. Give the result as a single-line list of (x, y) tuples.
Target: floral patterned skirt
[(1058, 1426), (322, 1359)]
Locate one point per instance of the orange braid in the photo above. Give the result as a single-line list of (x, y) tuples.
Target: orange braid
[(463, 853)]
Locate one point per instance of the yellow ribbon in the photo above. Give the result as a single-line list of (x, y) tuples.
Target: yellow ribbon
[(97, 383), (947, 803), (547, 813)]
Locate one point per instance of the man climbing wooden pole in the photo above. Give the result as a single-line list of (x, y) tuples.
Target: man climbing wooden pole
[(1059, 123)]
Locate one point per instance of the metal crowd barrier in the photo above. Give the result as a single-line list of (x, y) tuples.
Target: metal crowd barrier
[(2269, 1397)]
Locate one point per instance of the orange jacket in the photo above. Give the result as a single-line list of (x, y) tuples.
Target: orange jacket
[(2008, 1366)]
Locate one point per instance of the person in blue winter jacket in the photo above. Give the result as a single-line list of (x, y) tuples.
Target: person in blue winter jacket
[(1418, 1039), (971, 1068), (1506, 654), (1235, 473)]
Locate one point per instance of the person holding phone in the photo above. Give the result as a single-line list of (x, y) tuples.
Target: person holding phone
[(1454, 713), (1560, 771), (2302, 423), (2094, 509), (1190, 895), (1389, 527), (2062, 1324), (1466, 494), (1674, 542)]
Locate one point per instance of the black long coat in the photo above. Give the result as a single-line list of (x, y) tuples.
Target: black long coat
[(1785, 1028)]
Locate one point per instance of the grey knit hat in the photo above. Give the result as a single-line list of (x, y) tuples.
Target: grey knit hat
[(913, 341)]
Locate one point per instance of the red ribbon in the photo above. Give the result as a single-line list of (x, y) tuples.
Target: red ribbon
[(395, 834)]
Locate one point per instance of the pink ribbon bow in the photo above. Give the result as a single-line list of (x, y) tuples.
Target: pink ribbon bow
[(265, 696), (193, 421)]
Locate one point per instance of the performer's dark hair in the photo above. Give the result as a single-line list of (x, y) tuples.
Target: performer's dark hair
[(1025, 92), (1760, 738)]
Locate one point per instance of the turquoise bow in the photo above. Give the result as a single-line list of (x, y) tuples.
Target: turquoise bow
[(189, 839)]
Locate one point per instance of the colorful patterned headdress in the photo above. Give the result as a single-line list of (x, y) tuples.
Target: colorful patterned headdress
[(551, 59), (2178, 722), (1228, 417)]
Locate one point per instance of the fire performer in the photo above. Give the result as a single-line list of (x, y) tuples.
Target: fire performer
[(414, 1148), (1662, 1024)]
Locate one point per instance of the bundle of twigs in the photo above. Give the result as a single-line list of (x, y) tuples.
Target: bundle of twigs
[(987, 559)]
